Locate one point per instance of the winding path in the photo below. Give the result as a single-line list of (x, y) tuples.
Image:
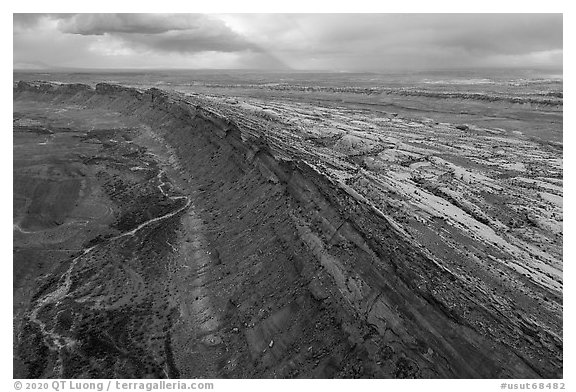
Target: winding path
[(55, 341)]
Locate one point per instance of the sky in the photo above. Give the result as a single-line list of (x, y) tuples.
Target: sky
[(327, 42)]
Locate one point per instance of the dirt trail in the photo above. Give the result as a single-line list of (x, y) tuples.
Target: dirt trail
[(56, 341)]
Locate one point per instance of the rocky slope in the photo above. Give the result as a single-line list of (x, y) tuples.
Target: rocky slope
[(305, 251)]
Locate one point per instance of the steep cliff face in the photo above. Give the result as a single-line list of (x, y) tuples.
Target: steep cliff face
[(309, 278)]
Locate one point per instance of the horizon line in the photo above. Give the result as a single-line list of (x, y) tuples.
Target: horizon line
[(279, 70)]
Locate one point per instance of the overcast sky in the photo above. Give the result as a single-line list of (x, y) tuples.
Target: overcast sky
[(335, 42)]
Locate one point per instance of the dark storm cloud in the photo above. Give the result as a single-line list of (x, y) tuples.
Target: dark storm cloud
[(502, 33), (182, 33), (31, 20), (380, 41), (26, 20), (489, 33), (99, 24), (190, 41), (302, 41)]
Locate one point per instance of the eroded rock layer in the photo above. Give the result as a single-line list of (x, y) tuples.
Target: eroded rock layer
[(278, 240)]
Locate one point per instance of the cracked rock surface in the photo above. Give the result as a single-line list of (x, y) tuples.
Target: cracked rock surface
[(168, 235)]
